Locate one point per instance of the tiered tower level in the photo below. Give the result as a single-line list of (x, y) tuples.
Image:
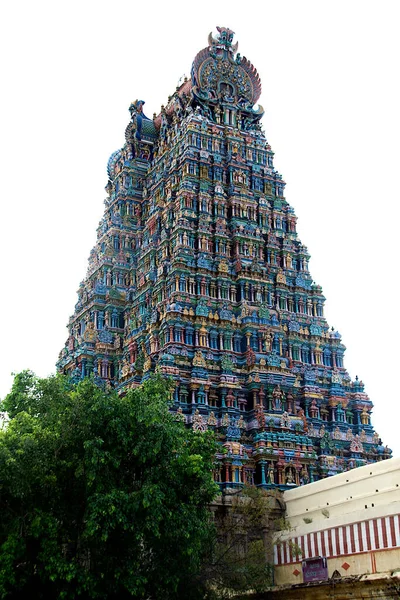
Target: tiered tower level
[(198, 273)]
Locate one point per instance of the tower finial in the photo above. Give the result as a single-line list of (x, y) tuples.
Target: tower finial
[(224, 40)]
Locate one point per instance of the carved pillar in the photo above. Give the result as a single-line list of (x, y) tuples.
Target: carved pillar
[(280, 475), (296, 475), (234, 471), (306, 406), (263, 480), (223, 395), (254, 398), (260, 341)]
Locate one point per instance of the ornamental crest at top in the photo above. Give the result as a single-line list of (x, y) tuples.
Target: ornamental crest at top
[(221, 75)]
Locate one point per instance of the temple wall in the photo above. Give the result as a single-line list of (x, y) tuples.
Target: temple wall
[(359, 490), (355, 524), (367, 587), (384, 561)]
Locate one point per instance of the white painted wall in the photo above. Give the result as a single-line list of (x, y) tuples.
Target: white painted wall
[(362, 493)]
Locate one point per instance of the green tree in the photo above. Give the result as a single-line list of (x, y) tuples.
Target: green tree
[(242, 558), (101, 496)]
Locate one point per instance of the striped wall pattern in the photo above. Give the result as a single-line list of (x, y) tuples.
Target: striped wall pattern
[(374, 534)]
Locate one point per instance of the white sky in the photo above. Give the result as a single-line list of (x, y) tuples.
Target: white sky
[(330, 74)]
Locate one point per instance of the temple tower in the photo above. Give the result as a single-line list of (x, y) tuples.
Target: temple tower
[(198, 272)]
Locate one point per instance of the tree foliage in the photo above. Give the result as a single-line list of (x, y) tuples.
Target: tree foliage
[(101, 496), (243, 553)]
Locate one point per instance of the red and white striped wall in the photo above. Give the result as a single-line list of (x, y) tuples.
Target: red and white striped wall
[(374, 534)]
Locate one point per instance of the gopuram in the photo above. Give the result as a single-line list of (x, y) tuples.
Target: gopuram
[(198, 273)]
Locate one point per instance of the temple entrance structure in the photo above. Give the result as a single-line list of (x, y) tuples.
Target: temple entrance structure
[(198, 273)]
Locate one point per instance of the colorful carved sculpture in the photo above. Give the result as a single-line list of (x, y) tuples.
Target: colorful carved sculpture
[(198, 273)]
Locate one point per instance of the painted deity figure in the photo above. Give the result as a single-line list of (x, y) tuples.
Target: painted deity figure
[(364, 417), (313, 409), (90, 333), (277, 398), (199, 423), (217, 112), (304, 478), (268, 341), (125, 369), (211, 419), (198, 360), (260, 416), (250, 357), (336, 434), (290, 403), (245, 311), (289, 477), (225, 420), (179, 416), (303, 417)]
